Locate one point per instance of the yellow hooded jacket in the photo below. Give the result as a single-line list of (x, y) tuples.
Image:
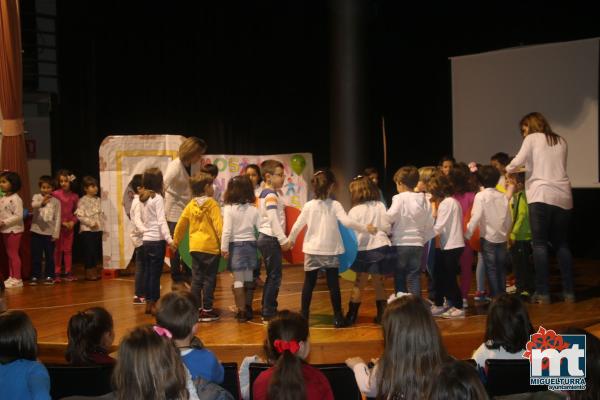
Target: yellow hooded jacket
[(202, 216)]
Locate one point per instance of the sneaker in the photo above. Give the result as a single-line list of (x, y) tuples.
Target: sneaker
[(57, 279), (540, 299), (436, 311), (454, 313), (139, 300), (266, 318), (15, 283), (9, 280), (70, 277), (511, 289), (569, 298), (208, 316), (481, 297), (465, 303), (33, 281), (48, 281)]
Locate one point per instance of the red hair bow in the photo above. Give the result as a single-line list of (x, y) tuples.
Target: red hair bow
[(281, 345)]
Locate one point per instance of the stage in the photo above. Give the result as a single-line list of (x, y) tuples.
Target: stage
[(50, 308)]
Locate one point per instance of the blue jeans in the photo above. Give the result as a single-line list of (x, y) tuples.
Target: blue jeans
[(271, 251), (204, 278), (179, 272), (480, 272), (42, 245), (550, 224), (494, 257), (140, 272), (408, 269), (154, 258)]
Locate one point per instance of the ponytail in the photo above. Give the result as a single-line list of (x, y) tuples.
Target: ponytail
[(85, 332), (287, 381)]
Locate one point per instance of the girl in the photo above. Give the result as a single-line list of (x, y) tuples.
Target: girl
[(241, 221), (156, 234), (367, 208), (456, 380), (290, 378), (252, 171), (89, 213), (507, 330), (11, 226), (21, 375), (412, 349), (68, 204), (91, 335), (323, 242)]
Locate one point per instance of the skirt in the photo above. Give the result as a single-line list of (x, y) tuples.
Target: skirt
[(316, 261), (374, 261), (243, 255)]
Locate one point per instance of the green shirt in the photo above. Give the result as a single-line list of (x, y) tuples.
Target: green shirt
[(520, 215)]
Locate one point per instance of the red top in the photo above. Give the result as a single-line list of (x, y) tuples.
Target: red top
[(316, 384), (68, 205)]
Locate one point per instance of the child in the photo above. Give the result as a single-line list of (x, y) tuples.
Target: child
[(45, 229), (323, 242), (271, 238), (90, 215), (410, 214), (456, 380), (202, 216), (413, 348), (500, 161), (372, 249), (156, 234), (507, 330), (492, 214), (252, 171), (446, 164), (91, 335), (449, 226), (291, 377), (213, 171), (136, 235), (21, 375), (68, 204), (178, 312), (520, 238), (373, 175), (428, 260), (11, 226), (240, 224)]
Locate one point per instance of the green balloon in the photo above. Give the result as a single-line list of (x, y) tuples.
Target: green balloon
[(298, 164)]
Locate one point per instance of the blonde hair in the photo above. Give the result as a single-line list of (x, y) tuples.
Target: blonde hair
[(425, 173), (407, 176), (362, 189), (199, 181), (536, 122), (190, 147), (269, 167)]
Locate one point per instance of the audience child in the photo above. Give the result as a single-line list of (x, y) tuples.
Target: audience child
[(45, 230), (90, 215), (410, 214), (202, 216), (63, 249), (492, 215), (137, 235), (412, 349), (507, 330), (323, 242), (271, 238), (91, 335), (11, 226), (290, 377), (519, 239), (178, 313), (21, 375), (241, 221), (155, 236), (592, 367), (373, 250), (456, 380)]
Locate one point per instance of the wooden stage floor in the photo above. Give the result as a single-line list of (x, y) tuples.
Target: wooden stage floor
[(51, 306)]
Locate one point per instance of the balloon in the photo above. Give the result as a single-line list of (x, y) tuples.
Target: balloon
[(349, 275), (350, 246), (298, 163)]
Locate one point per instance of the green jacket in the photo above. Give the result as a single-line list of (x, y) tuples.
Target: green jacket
[(520, 215)]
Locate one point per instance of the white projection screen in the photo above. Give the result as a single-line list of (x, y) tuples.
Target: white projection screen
[(492, 91)]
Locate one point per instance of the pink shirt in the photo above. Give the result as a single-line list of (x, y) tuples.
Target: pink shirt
[(68, 205), (465, 200)]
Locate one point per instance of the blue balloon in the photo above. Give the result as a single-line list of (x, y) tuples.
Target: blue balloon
[(350, 246)]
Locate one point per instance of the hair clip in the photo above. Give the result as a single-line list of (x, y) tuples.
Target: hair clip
[(473, 166), (357, 177), (160, 331), (71, 178), (318, 172), (397, 296), (281, 345)]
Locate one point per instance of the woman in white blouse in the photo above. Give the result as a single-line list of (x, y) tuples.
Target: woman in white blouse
[(548, 191)]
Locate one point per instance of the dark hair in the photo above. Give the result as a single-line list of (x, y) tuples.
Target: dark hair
[(152, 179), (18, 338), (135, 182), (519, 177), (210, 169), (592, 366), (85, 332), (239, 191), (507, 324), (46, 179), (66, 173), (456, 380), (362, 189), (269, 167), (460, 177), (177, 311), (536, 122), (14, 179), (199, 181), (321, 182), (407, 176), (447, 158), (89, 181), (440, 186), (370, 171), (412, 349), (501, 157), (488, 176), (256, 168), (149, 366), (287, 381)]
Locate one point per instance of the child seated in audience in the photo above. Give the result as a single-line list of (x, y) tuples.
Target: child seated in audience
[(507, 330), (291, 377), (413, 348), (21, 376), (456, 380), (178, 313), (90, 333)]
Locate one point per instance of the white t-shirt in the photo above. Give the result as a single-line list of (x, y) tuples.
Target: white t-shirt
[(371, 212), (449, 224), (492, 214), (240, 222), (483, 353), (272, 215), (155, 224), (410, 214), (11, 214)]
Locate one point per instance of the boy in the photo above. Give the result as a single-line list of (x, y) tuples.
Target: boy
[(520, 238), (271, 239), (500, 161), (45, 229), (213, 171)]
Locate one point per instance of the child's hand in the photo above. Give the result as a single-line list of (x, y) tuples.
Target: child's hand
[(46, 199), (372, 229), (286, 246), (511, 241), (173, 246), (225, 254), (353, 361)]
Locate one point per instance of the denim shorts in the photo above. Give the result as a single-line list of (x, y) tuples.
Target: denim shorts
[(243, 255), (374, 261)]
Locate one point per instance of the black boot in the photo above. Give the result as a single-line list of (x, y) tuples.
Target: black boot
[(250, 287), (380, 309), (305, 314), (338, 320), (352, 313)]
